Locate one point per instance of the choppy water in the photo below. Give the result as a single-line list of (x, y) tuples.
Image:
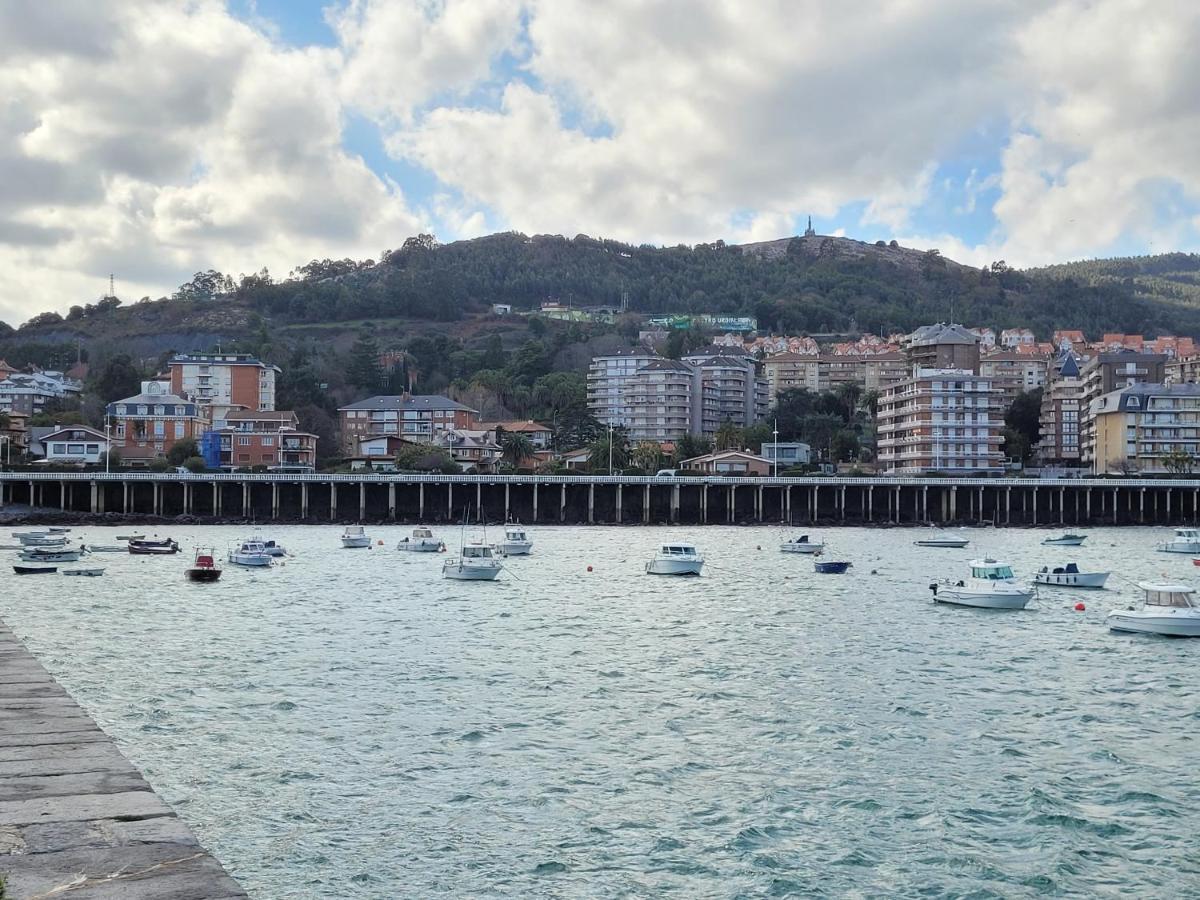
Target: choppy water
[(351, 725)]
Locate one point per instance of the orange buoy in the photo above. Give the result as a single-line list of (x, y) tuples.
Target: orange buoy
[(1079, 607), (380, 543)]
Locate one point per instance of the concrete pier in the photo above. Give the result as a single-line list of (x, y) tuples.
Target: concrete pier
[(76, 818)]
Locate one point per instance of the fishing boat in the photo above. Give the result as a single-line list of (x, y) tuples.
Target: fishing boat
[(250, 553), (93, 572), (153, 548), (802, 545), (516, 542), (831, 567), (1186, 540), (1168, 609), (39, 554), (204, 566), (105, 548), (991, 585), (1065, 540), (420, 541), (131, 537), (353, 537), (35, 570), (476, 561), (944, 539), (675, 559), (41, 540), (1070, 576)]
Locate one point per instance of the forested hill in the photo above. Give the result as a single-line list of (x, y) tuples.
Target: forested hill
[(803, 284)]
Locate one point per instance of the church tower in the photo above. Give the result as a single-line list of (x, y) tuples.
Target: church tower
[(808, 232)]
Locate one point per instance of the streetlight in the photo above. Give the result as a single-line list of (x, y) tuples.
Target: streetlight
[(610, 442), (107, 443), (775, 448)]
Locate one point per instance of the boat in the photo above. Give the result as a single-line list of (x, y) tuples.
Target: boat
[(272, 548), (421, 541), (131, 537), (516, 542), (165, 542), (476, 561), (41, 540), (944, 539), (802, 545), (991, 585), (1168, 609), (1065, 540), (42, 555), (57, 529), (35, 570), (85, 573), (1186, 540), (204, 567), (675, 559), (250, 553), (354, 537), (831, 568), (1070, 576), (105, 548), (153, 548)]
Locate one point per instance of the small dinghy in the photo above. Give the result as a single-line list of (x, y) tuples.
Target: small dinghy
[(1066, 540), (1070, 576), (802, 545), (35, 570), (831, 567), (153, 548), (85, 573), (944, 539), (204, 567), (131, 537), (105, 548)]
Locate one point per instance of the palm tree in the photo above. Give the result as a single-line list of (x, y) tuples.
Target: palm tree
[(648, 456), (600, 452), (515, 447), (728, 436), (849, 392)]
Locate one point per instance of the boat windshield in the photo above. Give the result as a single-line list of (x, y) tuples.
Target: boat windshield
[(1176, 599), (354, 529), (516, 534), (422, 533), (1186, 532), (477, 552), (992, 573), (678, 550)]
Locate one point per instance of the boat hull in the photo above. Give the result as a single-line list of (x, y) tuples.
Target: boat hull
[(674, 567), (947, 544), (356, 543), (35, 570), (1192, 547), (1158, 623), (958, 597), (64, 556), (419, 546), (252, 560), (516, 548), (84, 573), (203, 574), (152, 551), (810, 549), (460, 572), (1072, 579)]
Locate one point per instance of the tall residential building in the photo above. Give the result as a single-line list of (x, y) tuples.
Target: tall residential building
[(1182, 370), (871, 371), (942, 346), (414, 417), (1136, 427), (665, 401), (1013, 373), (1107, 372), (223, 382), (1061, 413), (732, 384), (606, 380), (939, 420), (148, 424), (791, 371)]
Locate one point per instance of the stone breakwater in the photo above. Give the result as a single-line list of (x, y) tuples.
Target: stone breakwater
[(76, 818)]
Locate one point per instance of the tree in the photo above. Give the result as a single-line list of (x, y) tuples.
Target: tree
[(577, 428), (1123, 466), (1023, 420), (111, 459), (613, 446), (1178, 461), (849, 393), (728, 437), (515, 447), (647, 456), (363, 369), (182, 450), (844, 446), (689, 446), (118, 379), (870, 402), (194, 464), (819, 429), (5, 421)]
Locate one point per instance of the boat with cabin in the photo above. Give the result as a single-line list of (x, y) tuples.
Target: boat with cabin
[(1065, 540), (991, 585), (250, 553), (1167, 609), (355, 538), (802, 544), (1070, 576), (272, 548), (516, 542), (675, 559), (204, 566), (1186, 540), (41, 540), (476, 561), (943, 539), (421, 541)]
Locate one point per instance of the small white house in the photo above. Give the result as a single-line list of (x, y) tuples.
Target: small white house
[(502, 309), (788, 453), (75, 444)]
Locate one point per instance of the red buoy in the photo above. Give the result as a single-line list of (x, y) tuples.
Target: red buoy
[(589, 568), (1079, 607)]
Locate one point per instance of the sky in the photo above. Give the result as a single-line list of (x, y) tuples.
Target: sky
[(152, 139)]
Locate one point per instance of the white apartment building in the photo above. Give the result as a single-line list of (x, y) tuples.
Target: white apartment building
[(606, 381), (665, 400), (940, 420)]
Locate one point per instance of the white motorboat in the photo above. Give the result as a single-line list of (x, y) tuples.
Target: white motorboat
[(353, 537), (675, 559), (421, 541), (250, 553), (106, 548), (41, 540), (476, 561), (516, 542), (1169, 609), (1070, 576), (1186, 540), (85, 573), (40, 554), (802, 545), (271, 547), (991, 585), (944, 539), (1065, 540)]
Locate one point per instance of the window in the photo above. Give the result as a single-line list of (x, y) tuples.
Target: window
[(158, 410), (160, 428), (142, 410), (59, 449), (243, 441), (267, 441), (179, 430), (93, 448)]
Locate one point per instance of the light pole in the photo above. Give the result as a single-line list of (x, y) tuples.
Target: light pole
[(775, 449), (610, 439), (107, 444)]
